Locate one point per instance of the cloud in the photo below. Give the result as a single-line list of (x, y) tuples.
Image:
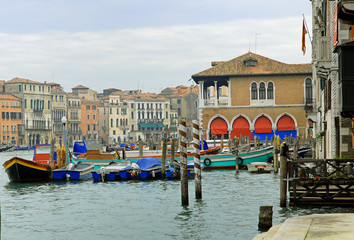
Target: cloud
[(151, 57)]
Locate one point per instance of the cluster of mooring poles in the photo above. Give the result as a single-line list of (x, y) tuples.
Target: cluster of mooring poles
[(183, 161)]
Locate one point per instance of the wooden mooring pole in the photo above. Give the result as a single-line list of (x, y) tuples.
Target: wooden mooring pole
[(173, 143), (141, 149), (183, 161), (197, 168), (284, 153), (236, 155), (265, 218), (164, 150)]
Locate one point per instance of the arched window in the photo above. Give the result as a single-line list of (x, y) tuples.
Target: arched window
[(270, 91), (254, 91), (308, 90), (262, 94)]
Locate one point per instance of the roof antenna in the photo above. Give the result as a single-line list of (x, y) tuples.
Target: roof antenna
[(255, 43)]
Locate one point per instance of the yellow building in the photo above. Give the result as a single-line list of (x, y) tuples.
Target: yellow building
[(252, 95)]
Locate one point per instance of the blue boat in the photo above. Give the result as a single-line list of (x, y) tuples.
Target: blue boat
[(174, 170), (21, 148), (145, 168), (78, 171), (110, 172)]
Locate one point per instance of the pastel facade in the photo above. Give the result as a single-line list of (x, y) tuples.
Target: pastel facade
[(11, 128), (254, 96)]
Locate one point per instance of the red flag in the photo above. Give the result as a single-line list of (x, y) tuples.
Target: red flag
[(304, 31)]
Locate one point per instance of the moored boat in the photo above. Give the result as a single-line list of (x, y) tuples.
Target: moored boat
[(78, 171), (259, 167), (145, 168), (38, 169), (228, 160), (110, 172)]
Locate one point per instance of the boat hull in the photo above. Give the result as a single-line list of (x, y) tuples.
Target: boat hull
[(21, 170), (81, 171), (228, 161)]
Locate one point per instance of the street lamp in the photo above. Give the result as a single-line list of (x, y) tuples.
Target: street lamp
[(64, 122)]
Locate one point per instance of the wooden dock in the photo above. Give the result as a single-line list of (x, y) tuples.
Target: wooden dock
[(321, 182)]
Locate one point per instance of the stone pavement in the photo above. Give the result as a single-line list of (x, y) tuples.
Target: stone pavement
[(317, 226)]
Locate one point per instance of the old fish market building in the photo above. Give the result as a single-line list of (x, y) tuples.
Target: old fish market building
[(255, 96)]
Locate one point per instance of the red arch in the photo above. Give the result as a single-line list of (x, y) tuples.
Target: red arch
[(263, 125), (218, 126), (286, 123), (241, 127)]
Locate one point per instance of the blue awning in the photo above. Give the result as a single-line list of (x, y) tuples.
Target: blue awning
[(151, 125)]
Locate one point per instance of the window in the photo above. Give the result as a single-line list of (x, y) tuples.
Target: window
[(94, 116), (88, 117), (270, 91), (93, 107), (262, 91), (87, 107), (308, 90), (19, 88), (88, 127), (111, 122), (117, 122), (254, 91)]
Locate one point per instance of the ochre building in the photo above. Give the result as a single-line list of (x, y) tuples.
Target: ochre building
[(254, 96)]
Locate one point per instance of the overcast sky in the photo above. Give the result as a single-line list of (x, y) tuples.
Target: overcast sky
[(145, 44)]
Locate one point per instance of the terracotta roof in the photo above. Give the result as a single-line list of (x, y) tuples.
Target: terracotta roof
[(178, 91), (146, 96), (79, 87), (23, 80), (263, 66)]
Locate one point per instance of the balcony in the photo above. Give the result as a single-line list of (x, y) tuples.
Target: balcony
[(309, 104)]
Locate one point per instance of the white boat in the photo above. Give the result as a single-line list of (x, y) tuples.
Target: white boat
[(110, 172), (259, 167)]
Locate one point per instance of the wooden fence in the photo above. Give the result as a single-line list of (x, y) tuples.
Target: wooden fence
[(321, 181)]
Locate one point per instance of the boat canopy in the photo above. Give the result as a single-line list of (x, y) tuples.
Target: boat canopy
[(79, 147), (148, 162)]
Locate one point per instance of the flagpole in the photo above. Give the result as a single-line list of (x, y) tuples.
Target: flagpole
[(307, 29)]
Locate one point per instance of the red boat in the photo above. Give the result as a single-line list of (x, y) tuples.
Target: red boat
[(38, 169)]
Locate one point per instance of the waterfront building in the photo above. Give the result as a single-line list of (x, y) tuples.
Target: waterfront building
[(252, 95), (103, 119), (85, 93), (59, 109), (118, 118), (89, 119), (12, 129), (333, 60), (74, 118), (36, 108), (183, 102), (148, 116)]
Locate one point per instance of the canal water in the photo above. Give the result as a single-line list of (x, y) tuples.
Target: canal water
[(141, 209)]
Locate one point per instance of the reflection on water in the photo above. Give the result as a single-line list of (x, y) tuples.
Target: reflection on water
[(142, 210)]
